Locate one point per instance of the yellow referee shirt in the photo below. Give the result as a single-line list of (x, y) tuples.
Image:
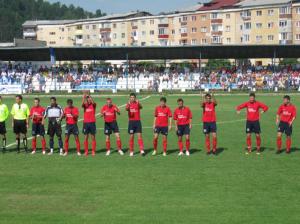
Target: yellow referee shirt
[(20, 112)]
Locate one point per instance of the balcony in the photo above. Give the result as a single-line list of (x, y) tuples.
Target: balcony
[(217, 33), (78, 41), (29, 34), (163, 36), (184, 35), (105, 39), (284, 42), (134, 27), (105, 30), (78, 32), (219, 21), (183, 23), (163, 25), (285, 16)]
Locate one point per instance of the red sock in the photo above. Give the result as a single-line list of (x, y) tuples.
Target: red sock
[(94, 146), (66, 145), (258, 142), (33, 144), (288, 144), (119, 144), (107, 145), (86, 146), (77, 145), (214, 144), (249, 143), (187, 144), (165, 145), (155, 140), (180, 145), (279, 143), (43, 144), (141, 144), (131, 144), (207, 143)]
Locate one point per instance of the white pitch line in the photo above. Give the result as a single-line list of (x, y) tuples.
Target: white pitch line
[(121, 106)]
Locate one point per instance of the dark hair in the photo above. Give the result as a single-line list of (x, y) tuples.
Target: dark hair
[(53, 98), (69, 101), (180, 100), (133, 94), (207, 95), (108, 98), (19, 96), (164, 99), (252, 94), (287, 97), (38, 99)]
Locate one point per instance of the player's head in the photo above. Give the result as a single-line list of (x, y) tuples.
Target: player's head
[(252, 97), (208, 97), (180, 102), (53, 101), (109, 102), (36, 101), (70, 102), (132, 97), (163, 101), (89, 99), (19, 99), (286, 99)]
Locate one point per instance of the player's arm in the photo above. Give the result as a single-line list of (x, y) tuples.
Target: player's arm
[(117, 110), (102, 112), (76, 113), (264, 108), (175, 121), (140, 105), (154, 122), (27, 116), (62, 114), (279, 111), (240, 107), (13, 114), (127, 108), (191, 119), (214, 99), (6, 112), (170, 120), (294, 113)]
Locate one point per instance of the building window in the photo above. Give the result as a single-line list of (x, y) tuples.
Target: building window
[(151, 21), (258, 39), (259, 13), (228, 40), (258, 25), (87, 27), (203, 17), (94, 27), (214, 15), (87, 37), (52, 42), (184, 18), (283, 36), (143, 22), (204, 41), (227, 29), (194, 30), (297, 23), (227, 16), (246, 38), (270, 12), (123, 35), (161, 31), (270, 25), (204, 29), (216, 39), (298, 10), (143, 33), (52, 33), (285, 10), (115, 36), (194, 42), (151, 32), (247, 26), (297, 36), (283, 23), (173, 32), (114, 25), (270, 37), (79, 27), (194, 18), (183, 30)]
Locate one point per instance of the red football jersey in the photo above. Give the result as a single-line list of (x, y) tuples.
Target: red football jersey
[(109, 113), (37, 113), (134, 111), (253, 109), (162, 115), (182, 115), (89, 113), (287, 112), (209, 112), (71, 114)]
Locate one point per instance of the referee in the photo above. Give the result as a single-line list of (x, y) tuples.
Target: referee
[(3, 117), (20, 120)]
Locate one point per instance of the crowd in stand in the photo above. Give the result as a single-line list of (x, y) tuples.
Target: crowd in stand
[(245, 77)]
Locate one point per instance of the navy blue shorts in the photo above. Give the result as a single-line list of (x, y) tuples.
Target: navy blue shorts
[(252, 127), (134, 127), (38, 129), (161, 130), (72, 129), (183, 130), (111, 127), (89, 128), (209, 127), (284, 127), (2, 128)]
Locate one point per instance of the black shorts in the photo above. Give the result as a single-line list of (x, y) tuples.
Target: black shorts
[(20, 127), (2, 128), (72, 129), (284, 127), (89, 128), (54, 128), (111, 127), (252, 127), (38, 129), (161, 130), (209, 127), (134, 127), (183, 130)]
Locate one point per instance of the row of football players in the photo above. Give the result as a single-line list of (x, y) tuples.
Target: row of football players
[(162, 124)]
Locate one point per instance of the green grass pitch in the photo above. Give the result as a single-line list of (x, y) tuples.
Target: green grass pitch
[(228, 188)]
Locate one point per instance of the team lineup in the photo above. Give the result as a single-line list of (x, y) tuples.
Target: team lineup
[(163, 123)]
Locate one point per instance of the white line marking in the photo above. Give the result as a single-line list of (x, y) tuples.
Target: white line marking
[(121, 106)]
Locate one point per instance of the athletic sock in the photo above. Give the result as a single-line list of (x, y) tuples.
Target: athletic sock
[(51, 143), (107, 145), (25, 143), (4, 143), (187, 144), (258, 142), (77, 145), (249, 143), (119, 144), (288, 144), (86, 146), (180, 145), (60, 143), (94, 146), (279, 143), (43, 144), (214, 144), (141, 144), (165, 145), (66, 145), (207, 143), (33, 143), (131, 144), (18, 144), (155, 141)]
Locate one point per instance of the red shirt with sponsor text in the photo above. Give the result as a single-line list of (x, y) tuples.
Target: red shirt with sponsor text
[(134, 111), (287, 112), (109, 113), (253, 109), (37, 113), (209, 112), (71, 114), (182, 115), (162, 115), (89, 112)]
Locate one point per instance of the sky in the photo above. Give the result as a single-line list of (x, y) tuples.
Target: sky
[(121, 6)]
